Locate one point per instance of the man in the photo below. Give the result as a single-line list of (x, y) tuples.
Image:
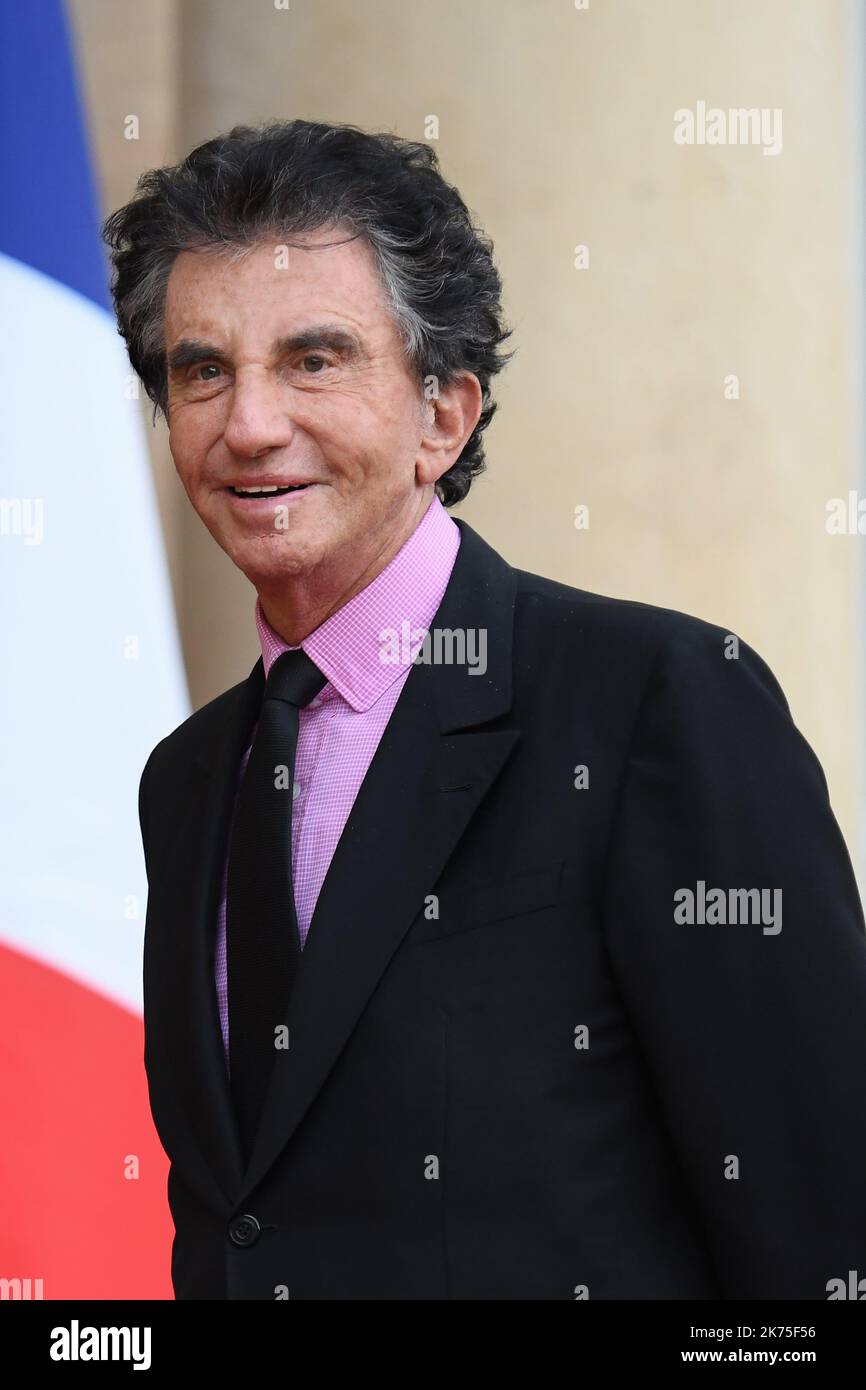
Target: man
[(531, 968)]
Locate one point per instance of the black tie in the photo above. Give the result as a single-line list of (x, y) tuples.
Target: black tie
[(263, 947)]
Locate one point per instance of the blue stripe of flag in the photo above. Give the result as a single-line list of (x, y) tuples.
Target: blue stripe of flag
[(48, 206)]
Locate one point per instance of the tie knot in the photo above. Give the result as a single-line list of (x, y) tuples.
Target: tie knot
[(294, 678)]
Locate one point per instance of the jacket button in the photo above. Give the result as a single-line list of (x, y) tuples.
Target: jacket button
[(244, 1230)]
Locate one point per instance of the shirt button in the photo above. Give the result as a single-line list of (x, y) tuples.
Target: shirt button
[(296, 791)]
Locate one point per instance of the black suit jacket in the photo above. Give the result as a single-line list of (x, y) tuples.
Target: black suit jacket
[(512, 1073)]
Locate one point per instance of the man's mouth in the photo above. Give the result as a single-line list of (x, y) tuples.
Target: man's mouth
[(268, 491)]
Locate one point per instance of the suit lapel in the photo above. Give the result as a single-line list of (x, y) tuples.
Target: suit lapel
[(430, 772), (187, 1064)]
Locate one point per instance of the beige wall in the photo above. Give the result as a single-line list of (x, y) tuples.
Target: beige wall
[(556, 125)]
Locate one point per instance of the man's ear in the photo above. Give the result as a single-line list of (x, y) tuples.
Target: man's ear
[(448, 420)]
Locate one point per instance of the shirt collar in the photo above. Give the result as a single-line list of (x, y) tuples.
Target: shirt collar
[(368, 643)]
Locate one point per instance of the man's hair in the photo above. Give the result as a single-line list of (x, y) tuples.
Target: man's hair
[(286, 178)]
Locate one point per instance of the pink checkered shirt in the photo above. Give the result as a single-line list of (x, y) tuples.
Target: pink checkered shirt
[(340, 729)]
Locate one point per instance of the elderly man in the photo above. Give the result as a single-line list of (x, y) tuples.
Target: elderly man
[(536, 976)]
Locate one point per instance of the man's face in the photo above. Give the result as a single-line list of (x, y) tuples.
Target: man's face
[(291, 375)]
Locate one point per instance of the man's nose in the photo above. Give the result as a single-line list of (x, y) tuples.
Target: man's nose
[(260, 415)]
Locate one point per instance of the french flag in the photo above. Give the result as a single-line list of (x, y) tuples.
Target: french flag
[(92, 679)]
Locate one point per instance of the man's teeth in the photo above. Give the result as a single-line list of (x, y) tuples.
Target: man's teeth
[(265, 491)]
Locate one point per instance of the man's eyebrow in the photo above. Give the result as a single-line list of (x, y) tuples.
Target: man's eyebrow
[(323, 335), (190, 351)]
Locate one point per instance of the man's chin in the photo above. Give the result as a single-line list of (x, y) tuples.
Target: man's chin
[(269, 559)]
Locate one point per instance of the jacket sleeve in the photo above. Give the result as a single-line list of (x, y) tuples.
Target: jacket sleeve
[(752, 1021), (143, 810)]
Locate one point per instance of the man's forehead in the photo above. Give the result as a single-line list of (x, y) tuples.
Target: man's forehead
[(317, 288), (301, 259)]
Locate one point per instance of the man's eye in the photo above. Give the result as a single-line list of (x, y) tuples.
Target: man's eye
[(315, 358), (206, 367)]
